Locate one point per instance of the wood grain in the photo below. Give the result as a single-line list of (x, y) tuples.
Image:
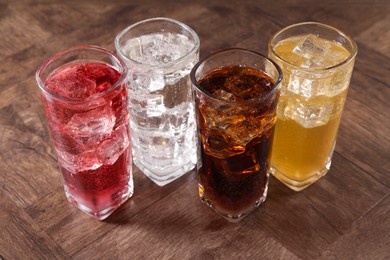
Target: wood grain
[(345, 215)]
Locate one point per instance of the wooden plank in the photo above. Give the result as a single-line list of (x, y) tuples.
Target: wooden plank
[(308, 222), (29, 168), (378, 32), (373, 64), (293, 221), (342, 15), (369, 238), (20, 31), (22, 238), (181, 227), (364, 131), (8, 70), (72, 229), (50, 16), (345, 194)]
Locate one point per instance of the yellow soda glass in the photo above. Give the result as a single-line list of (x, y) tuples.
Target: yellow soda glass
[(317, 62)]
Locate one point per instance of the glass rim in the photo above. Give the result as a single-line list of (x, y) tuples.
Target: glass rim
[(44, 65), (243, 102), (272, 43), (194, 35)]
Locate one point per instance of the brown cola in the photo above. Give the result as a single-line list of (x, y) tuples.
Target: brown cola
[(236, 130)]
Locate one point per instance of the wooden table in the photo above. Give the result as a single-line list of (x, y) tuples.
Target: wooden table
[(345, 215)]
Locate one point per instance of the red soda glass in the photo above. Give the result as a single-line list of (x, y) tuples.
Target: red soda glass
[(84, 95)]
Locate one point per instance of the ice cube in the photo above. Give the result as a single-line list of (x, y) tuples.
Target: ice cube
[(229, 131), (319, 53), (331, 56), (158, 48), (221, 116), (162, 51), (309, 85), (252, 127), (219, 145), (176, 74), (250, 158), (237, 127), (91, 126), (110, 149), (300, 85), (155, 50), (309, 113), (316, 52), (239, 86), (156, 84), (340, 82), (245, 84), (142, 81), (71, 82), (138, 80), (181, 117), (155, 105), (222, 94), (174, 77), (310, 47), (84, 161), (321, 62)]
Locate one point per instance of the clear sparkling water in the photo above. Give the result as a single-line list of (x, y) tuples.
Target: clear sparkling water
[(162, 120)]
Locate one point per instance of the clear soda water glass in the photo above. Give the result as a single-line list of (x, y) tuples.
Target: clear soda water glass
[(160, 54)]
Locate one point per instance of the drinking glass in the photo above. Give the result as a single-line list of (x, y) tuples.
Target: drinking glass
[(160, 54), (317, 62), (236, 93), (84, 95)]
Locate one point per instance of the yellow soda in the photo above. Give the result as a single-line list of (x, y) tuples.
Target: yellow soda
[(313, 93)]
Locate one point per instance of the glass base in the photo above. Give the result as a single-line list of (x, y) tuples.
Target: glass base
[(299, 185), (162, 178), (233, 217), (101, 214)]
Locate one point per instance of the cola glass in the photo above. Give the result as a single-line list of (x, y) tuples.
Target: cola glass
[(235, 105), (84, 95)]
